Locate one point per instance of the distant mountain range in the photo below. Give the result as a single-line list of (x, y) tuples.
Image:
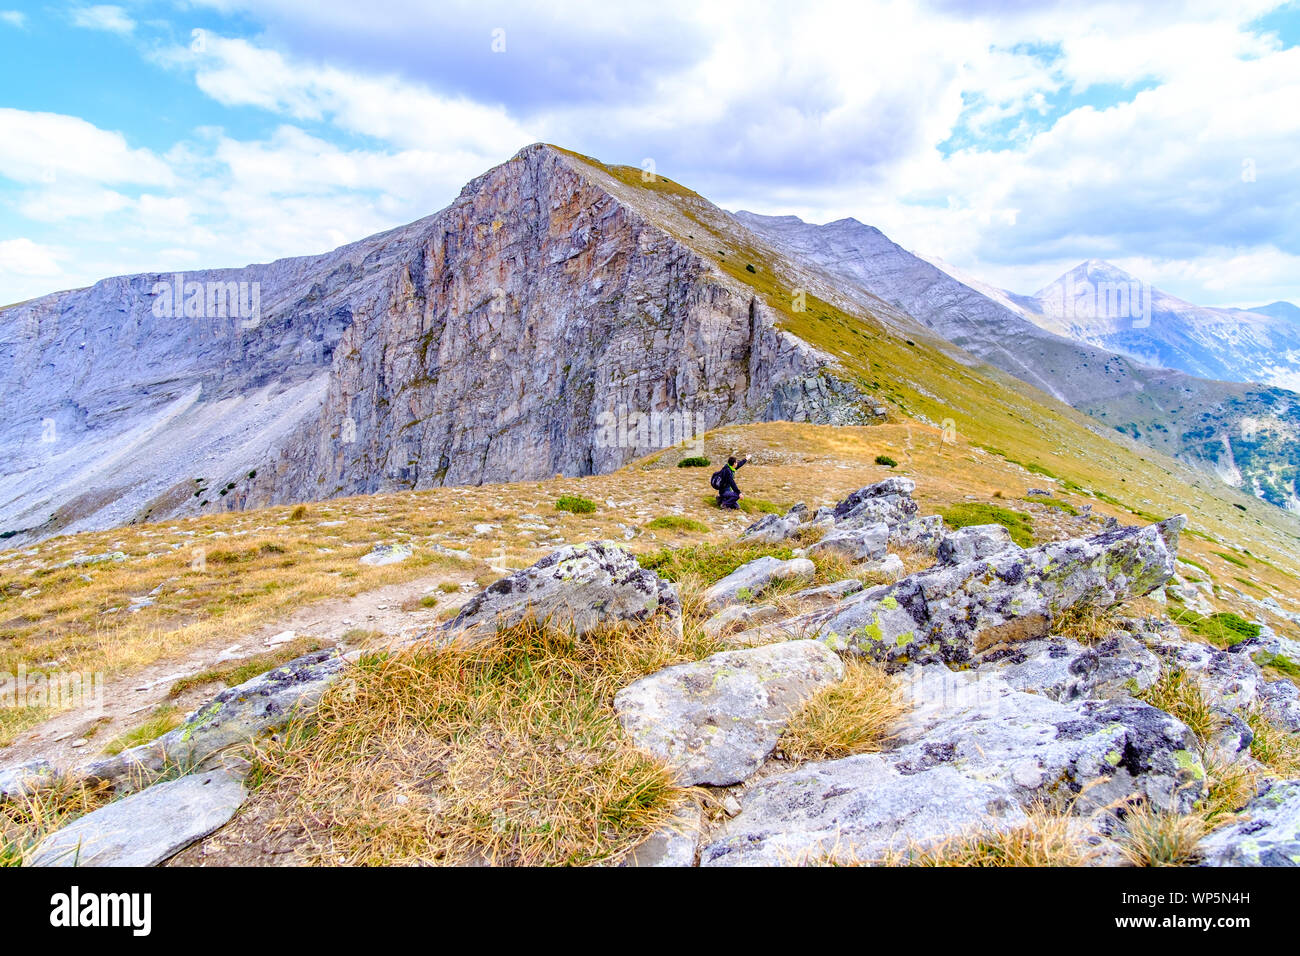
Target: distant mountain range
[(1215, 403)]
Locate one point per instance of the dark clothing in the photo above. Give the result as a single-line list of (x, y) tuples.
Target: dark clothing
[(729, 493)]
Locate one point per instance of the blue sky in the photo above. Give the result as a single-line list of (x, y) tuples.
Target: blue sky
[(1010, 140)]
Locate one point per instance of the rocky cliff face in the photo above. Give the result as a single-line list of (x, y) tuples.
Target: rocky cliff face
[(537, 325), (542, 326)]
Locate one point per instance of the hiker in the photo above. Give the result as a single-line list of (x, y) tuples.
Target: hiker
[(724, 482)]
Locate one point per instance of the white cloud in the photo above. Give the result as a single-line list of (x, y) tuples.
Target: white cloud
[(27, 258), (110, 19), (15, 18), (49, 147)]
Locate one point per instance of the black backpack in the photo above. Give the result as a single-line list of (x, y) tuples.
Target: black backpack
[(717, 480)]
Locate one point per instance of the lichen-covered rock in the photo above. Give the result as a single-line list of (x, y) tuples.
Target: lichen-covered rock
[(923, 534), (715, 721), (1266, 833), (672, 845), (974, 542), (750, 579), (146, 828), (855, 542), (889, 501), (827, 593), (1064, 669), (579, 586), (1103, 749), (955, 613), (236, 715)]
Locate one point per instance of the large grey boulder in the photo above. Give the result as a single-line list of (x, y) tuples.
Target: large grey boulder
[(855, 542), (974, 542), (954, 613), (889, 501), (238, 714), (382, 554), (857, 808), (715, 721), (1266, 833), (146, 828), (579, 586), (973, 754), (774, 529), (750, 579)]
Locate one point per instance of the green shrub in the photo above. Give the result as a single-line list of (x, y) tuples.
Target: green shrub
[(971, 513), (576, 504), (695, 461), (885, 460)]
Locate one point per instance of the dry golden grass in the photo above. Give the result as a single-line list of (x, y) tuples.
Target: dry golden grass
[(507, 752), (853, 716), (1087, 625), (1275, 748), (1177, 692), (1152, 837), (1050, 838), (24, 822)]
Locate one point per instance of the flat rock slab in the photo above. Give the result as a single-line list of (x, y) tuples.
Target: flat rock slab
[(581, 586), (671, 845), (715, 721), (974, 542), (856, 543), (750, 579), (148, 827), (857, 809), (1267, 833), (386, 554)]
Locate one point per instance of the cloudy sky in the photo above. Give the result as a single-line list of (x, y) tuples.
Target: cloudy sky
[(1011, 139)]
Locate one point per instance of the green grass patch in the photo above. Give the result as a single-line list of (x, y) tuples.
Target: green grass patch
[(1053, 503), (965, 514), (576, 504), (1223, 628), (710, 561), (677, 523), (886, 461), (695, 461), (164, 718), (1280, 663), (1230, 558)]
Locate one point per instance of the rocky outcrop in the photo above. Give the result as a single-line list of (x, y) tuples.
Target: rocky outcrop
[(579, 586), (716, 721), (973, 754), (953, 613)]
